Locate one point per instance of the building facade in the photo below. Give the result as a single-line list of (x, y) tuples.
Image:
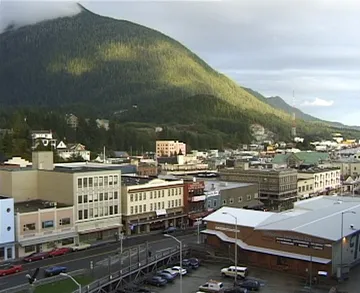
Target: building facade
[(7, 229), (194, 200), (149, 205), (169, 148), (349, 167), (43, 226), (305, 187), (278, 187), (144, 169), (325, 180)]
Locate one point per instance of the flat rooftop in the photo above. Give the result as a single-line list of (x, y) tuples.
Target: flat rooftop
[(224, 185), (129, 180), (317, 217), (37, 204), (318, 170)]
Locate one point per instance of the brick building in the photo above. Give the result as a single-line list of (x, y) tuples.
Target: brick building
[(292, 241), (194, 200)]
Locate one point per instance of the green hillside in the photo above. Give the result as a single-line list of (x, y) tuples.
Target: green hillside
[(94, 65)]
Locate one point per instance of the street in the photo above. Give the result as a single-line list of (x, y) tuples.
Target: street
[(101, 257)]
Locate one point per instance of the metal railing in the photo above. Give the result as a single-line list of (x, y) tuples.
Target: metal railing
[(44, 281)]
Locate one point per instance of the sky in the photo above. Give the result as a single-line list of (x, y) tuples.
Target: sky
[(276, 47)]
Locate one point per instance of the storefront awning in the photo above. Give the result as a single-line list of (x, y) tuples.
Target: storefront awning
[(99, 229), (47, 238), (160, 212)]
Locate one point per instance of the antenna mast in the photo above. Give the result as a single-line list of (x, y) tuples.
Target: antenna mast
[(293, 128)]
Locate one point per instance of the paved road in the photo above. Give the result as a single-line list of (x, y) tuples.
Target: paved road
[(100, 257)]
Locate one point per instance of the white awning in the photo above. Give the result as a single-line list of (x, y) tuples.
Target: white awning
[(161, 212)]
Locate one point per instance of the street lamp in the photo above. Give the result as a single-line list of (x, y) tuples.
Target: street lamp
[(198, 229), (70, 277), (342, 240), (180, 243), (236, 238)]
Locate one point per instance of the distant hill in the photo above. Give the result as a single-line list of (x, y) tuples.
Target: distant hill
[(94, 65)]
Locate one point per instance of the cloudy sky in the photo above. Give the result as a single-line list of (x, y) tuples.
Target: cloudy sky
[(272, 46)]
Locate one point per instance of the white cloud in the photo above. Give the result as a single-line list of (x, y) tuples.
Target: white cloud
[(318, 103)]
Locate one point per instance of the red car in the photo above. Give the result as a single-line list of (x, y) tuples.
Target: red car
[(59, 251), (36, 256), (8, 269)]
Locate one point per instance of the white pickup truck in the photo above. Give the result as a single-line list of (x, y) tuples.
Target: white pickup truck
[(212, 286), (80, 246)]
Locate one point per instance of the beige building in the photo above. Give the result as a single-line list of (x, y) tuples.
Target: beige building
[(305, 187), (42, 226), (325, 180), (348, 168), (94, 193), (169, 148), (278, 187), (151, 204)]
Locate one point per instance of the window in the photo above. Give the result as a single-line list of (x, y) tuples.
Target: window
[(29, 248), (136, 209), (110, 195), (131, 210), (101, 211), (179, 191), (79, 183), (256, 195), (90, 198), (111, 208), (172, 203), (85, 214), (144, 208), (240, 199), (101, 197), (85, 183), (151, 207), (163, 205), (116, 210), (96, 214), (95, 197), (115, 179), (106, 211), (64, 221), (47, 224), (248, 197), (150, 194), (67, 241), (140, 196), (100, 181), (172, 191), (106, 181), (8, 228), (169, 204), (131, 197), (176, 191), (144, 195), (85, 198), (29, 227), (136, 197), (116, 195), (90, 182), (79, 199), (91, 213), (106, 196), (179, 201), (110, 180), (80, 215), (163, 193), (8, 210), (231, 200), (140, 208), (95, 182), (224, 201)]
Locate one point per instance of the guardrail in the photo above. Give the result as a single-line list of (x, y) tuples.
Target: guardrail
[(125, 272), (25, 287)]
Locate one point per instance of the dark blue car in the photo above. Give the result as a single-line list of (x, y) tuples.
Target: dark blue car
[(156, 281), (53, 271), (167, 276)]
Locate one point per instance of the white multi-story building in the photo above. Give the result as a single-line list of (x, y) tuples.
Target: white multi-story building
[(7, 229), (169, 148), (325, 180)]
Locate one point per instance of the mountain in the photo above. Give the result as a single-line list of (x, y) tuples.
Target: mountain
[(94, 65)]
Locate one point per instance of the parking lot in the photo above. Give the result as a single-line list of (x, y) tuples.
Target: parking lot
[(272, 281)]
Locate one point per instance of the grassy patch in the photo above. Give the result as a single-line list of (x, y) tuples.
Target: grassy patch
[(64, 286)]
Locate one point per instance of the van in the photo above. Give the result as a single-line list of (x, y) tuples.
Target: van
[(212, 286), (231, 271)]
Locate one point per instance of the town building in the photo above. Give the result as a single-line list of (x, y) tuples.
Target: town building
[(146, 169), (302, 159), (93, 191), (43, 138), (278, 187), (181, 165), (348, 167), (151, 204), (72, 120), (305, 187), (169, 148), (71, 150), (297, 241), (194, 200), (326, 180), (43, 226), (7, 229)]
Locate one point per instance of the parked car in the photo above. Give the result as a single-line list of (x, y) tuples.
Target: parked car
[(169, 230), (156, 281), (167, 276), (212, 286), (36, 256), (236, 290), (180, 270), (8, 269), (53, 271), (232, 271), (194, 262), (80, 246), (251, 285), (60, 251), (171, 271), (134, 289)]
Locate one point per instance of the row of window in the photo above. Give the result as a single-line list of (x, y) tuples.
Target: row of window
[(97, 212), (155, 194), (46, 224), (327, 175), (98, 181), (239, 199), (155, 206), (97, 197), (307, 187)]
